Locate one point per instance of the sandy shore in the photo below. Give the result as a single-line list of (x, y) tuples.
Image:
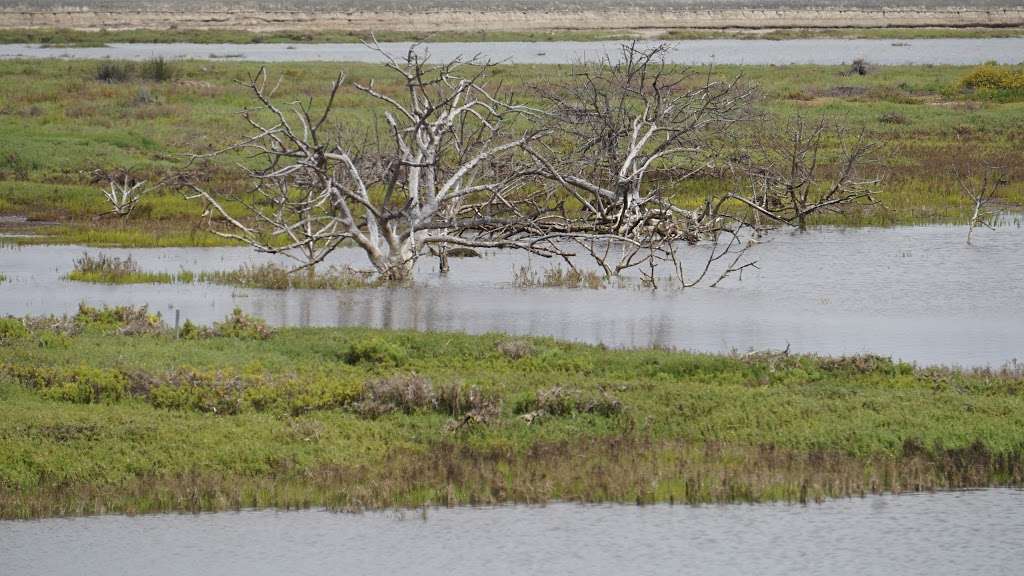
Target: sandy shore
[(527, 20)]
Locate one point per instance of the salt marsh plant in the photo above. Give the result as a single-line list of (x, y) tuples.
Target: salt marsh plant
[(104, 269), (157, 70), (111, 72), (55, 188), (95, 424), (557, 277), (278, 277)]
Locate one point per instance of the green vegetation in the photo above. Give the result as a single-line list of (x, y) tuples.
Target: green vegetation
[(996, 82), (103, 269), (557, 277), (277, 277), (927, 116), (153, 70), (109, 411), (63, 38)]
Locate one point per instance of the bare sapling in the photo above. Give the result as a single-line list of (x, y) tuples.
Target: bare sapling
[(800, 167), (982, 188)]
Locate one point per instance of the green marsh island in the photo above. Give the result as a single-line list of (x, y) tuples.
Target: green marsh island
[(138, 195)]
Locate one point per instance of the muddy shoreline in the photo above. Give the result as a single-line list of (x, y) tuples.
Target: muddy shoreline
[(488, 20)]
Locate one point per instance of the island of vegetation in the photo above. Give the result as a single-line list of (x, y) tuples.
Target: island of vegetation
[(110, 410)]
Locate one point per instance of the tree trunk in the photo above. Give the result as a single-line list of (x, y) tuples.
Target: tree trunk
[(442, 258)]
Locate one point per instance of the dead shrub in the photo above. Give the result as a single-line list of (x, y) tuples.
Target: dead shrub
[(561, 401), (405, 393), (411, 393), (515, 349)]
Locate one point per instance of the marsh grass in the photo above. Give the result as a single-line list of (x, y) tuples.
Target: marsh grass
[(103, 269), (277, 277), (111, 72), (526, 276), (59, 105), (93, 413), (157, 70)]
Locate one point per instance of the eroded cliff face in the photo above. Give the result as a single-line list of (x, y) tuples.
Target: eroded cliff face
[(447, 19)]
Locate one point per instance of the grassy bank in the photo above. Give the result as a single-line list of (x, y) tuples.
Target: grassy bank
[(64, 38), (61, 119), (109, 412)]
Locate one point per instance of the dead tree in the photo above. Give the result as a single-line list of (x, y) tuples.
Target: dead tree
[(983, 191), (436, 171), (800, 167), (624, 133), (121, 191)]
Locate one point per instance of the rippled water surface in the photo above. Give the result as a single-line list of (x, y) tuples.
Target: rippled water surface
[(953, 533), (917, 293), (962, 51)]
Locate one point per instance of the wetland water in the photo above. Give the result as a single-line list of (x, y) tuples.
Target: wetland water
[(960, 51), (940, 534), (916, 293)]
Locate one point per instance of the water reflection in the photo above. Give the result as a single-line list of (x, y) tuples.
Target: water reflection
[(917, 293), (920, 534)]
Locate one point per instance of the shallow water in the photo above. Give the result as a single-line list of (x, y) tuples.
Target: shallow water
[(961, 51), (916, 293), (917, 534)]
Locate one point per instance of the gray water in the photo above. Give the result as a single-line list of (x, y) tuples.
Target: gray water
[(919, 294), (961, 51), (952, 533)]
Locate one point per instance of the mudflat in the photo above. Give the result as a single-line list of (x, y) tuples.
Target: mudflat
[(455, 16)]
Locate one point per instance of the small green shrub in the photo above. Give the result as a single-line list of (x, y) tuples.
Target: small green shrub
[(190, 331), (12, 329), (374, 351), (126, 320), (189, 389), (238, 324), (82, 385), (53, 339), (995, 82), (298, 395), (993, 77), (241, 325)]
